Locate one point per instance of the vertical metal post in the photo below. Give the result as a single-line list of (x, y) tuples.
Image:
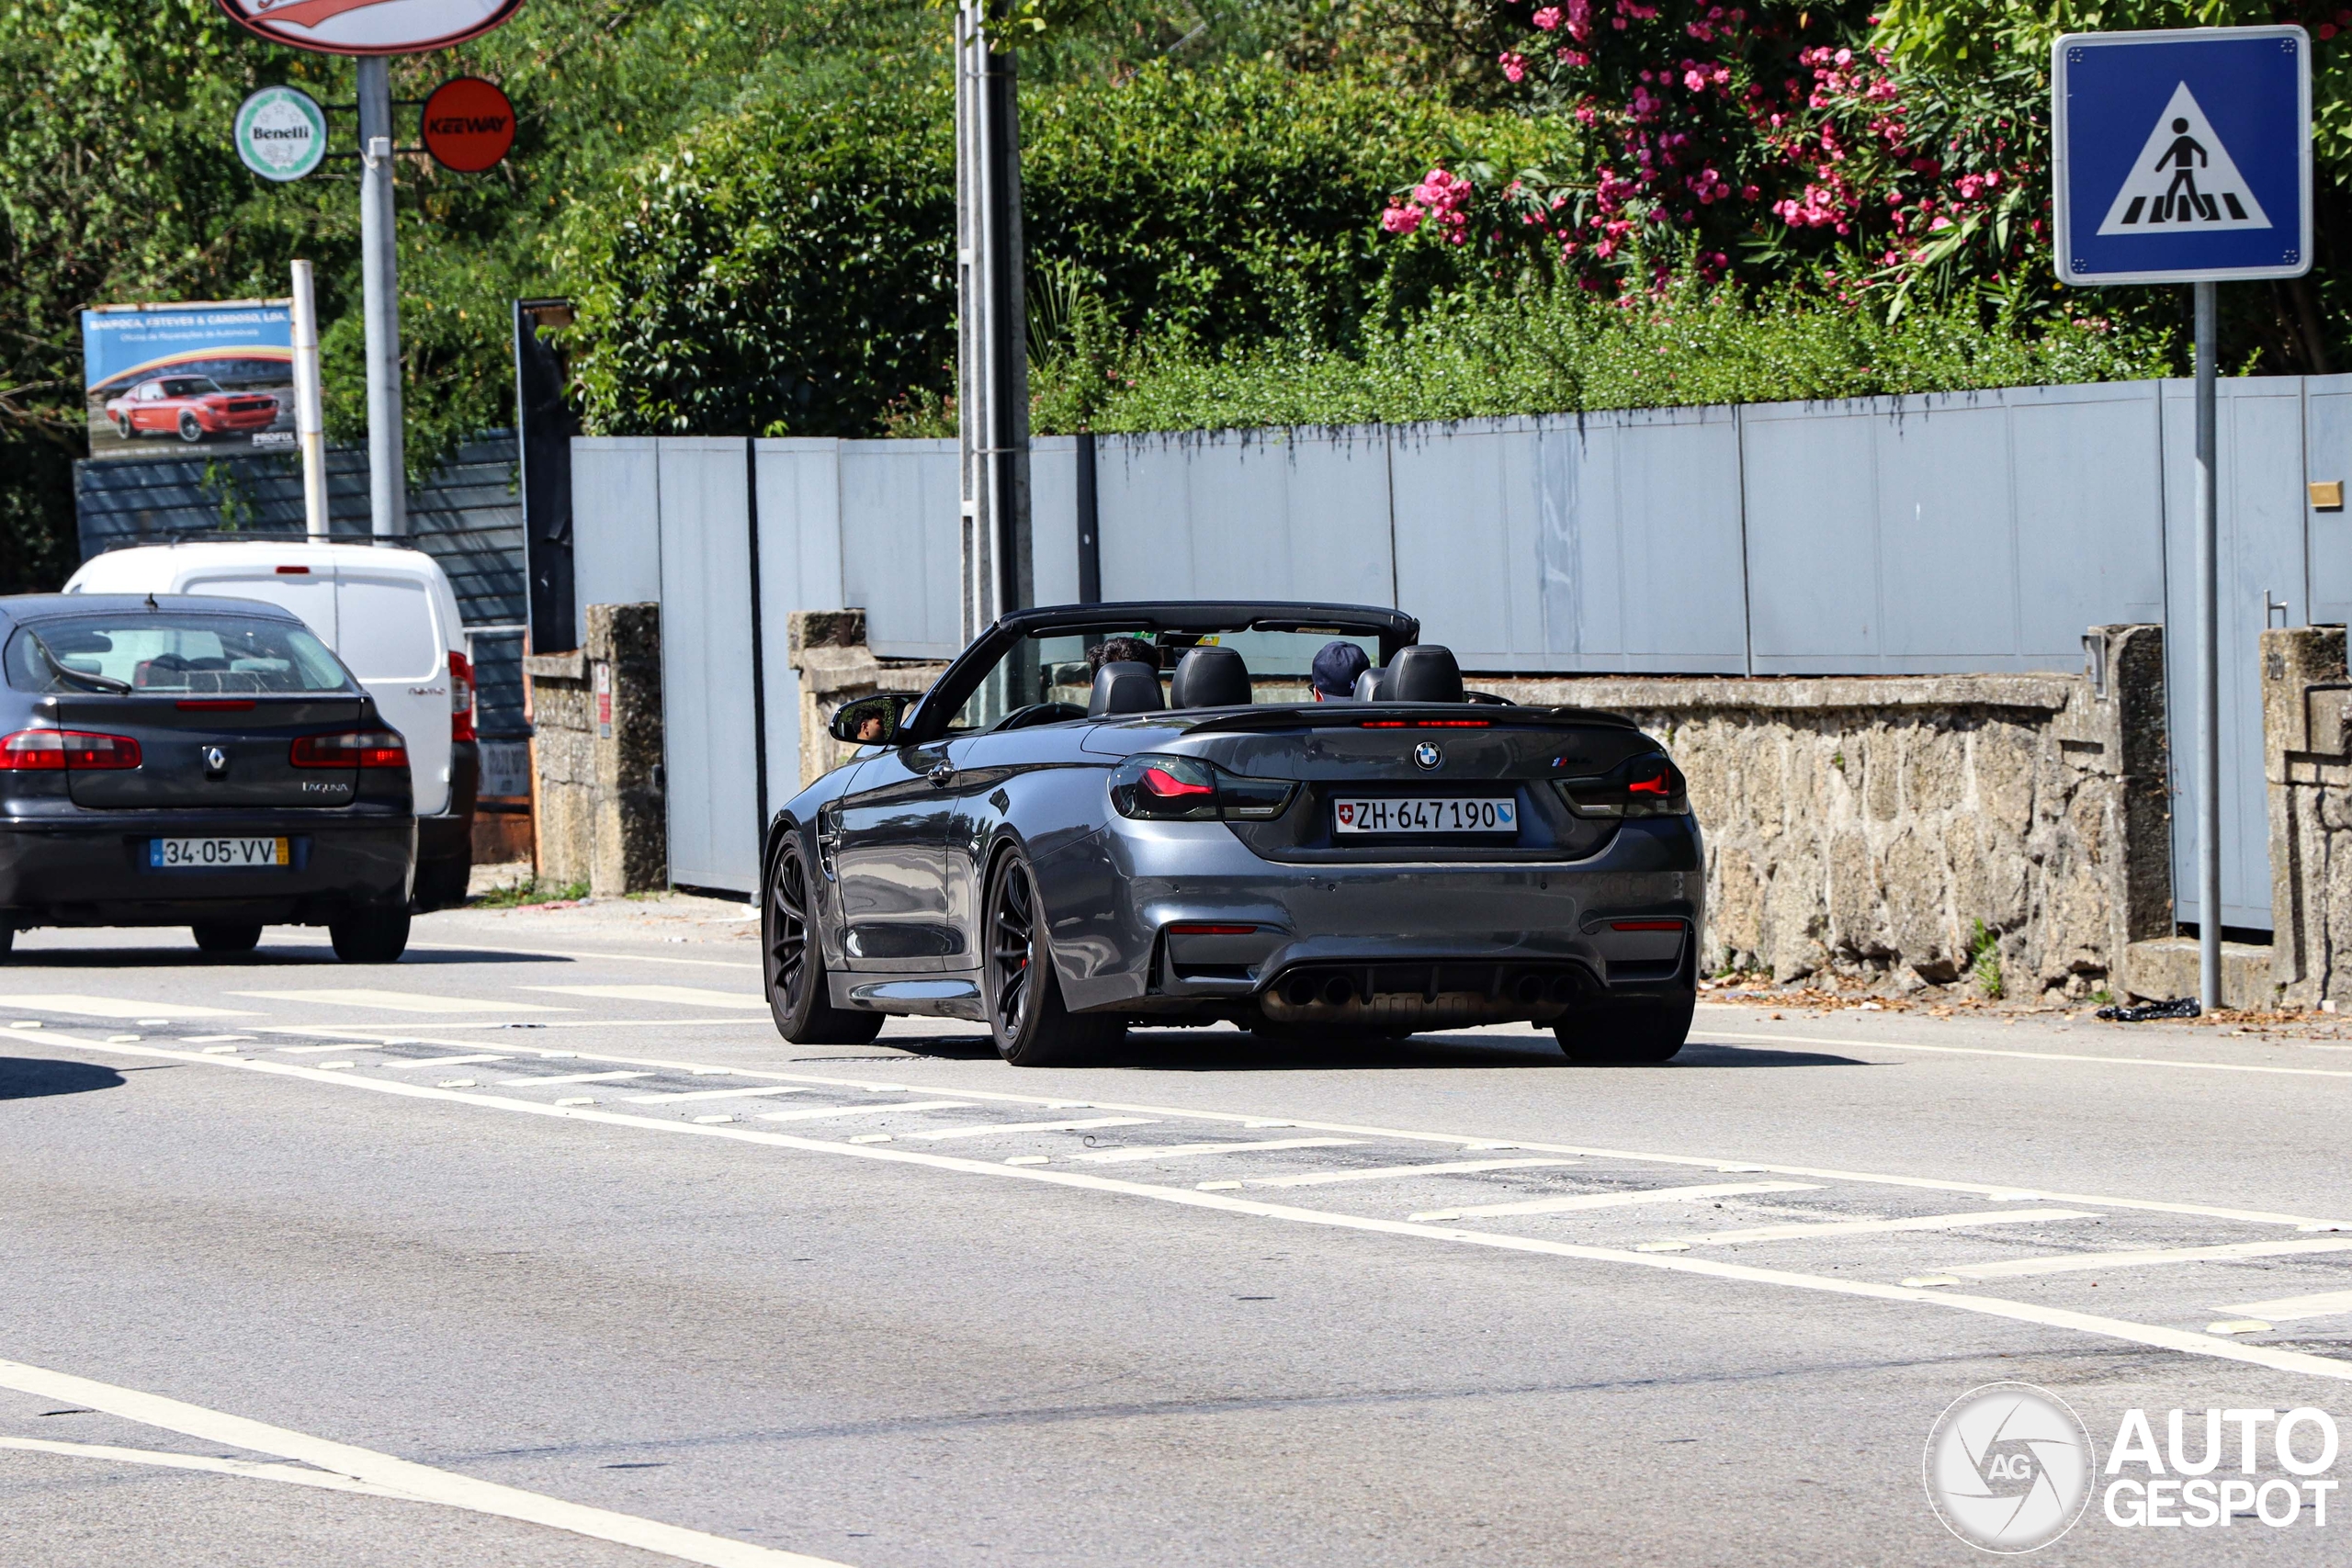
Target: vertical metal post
[(380, 272), (993, 359), (2209, 671), (310, 425)]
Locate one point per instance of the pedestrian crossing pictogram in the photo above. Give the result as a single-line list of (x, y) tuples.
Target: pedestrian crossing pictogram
[(2183, 180)]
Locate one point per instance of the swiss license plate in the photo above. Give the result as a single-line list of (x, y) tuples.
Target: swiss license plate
[(220, 855), (1450, 815)]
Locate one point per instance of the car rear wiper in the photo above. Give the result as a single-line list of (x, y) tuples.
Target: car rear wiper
[(97, 682)]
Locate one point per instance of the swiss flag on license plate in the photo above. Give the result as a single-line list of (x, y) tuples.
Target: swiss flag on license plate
[(1347, 813)]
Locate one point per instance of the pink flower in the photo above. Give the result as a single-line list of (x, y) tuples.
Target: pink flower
[(1547, 18), (1695, 80), (1514, 64), (1401, 220), (1579, 19), (1575, 57), (1971, 186)]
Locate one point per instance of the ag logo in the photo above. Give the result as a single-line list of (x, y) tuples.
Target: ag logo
[(1427, 756), (2008, 1467)]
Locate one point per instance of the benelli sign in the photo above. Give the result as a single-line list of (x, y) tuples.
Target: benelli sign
[(370, 26)]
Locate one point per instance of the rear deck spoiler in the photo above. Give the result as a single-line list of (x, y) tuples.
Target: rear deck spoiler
[(1399, 715)]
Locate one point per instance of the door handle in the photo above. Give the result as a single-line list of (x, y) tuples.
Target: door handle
[(940, 773)]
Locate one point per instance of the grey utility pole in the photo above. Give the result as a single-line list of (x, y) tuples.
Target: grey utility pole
[(380, 274), (992, 353), (2209, 669)]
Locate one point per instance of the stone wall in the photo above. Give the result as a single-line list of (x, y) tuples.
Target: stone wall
[(2307, 769), (600, 812), (1864, 826)]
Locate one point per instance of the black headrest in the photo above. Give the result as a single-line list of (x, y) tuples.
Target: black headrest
[(1368, 684), (1125, 687), (1210, 678), (1423, 675)]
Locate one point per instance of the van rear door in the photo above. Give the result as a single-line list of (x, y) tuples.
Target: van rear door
[(392, 638), (308, 590)]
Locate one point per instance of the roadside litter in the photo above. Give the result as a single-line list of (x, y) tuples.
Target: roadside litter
[(2180, 1007)]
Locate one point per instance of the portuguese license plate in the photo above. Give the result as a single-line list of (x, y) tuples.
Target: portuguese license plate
[(216, 855), (1448, 815)]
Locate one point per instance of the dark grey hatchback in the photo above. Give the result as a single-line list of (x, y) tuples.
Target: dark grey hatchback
[(196, 762)]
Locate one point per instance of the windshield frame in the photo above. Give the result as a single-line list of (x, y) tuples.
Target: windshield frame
[(928, 720)]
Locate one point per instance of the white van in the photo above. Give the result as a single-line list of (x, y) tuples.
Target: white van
[(388, 612)]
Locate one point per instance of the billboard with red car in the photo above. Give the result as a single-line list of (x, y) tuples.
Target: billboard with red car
[(170, 380)]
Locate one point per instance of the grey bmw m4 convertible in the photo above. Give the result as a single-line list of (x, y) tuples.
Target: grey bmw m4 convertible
[(1106, 815)]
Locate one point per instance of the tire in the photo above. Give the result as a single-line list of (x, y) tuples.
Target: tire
[(190, 431), (127, 430), (1628, 1033), (1027, 1018), (370, 936), (228, 936), (792, 963)]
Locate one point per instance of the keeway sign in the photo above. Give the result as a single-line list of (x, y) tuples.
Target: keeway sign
[(468, 124), (370, 26)]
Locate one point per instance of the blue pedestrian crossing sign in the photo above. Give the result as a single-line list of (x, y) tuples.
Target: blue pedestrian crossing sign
[(2181, 156)]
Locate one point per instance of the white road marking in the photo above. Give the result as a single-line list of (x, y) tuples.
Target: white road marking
[(1878, 1227), (579, 1100), (398, 1001), (313, 1050), (1026, 1168), (819, 1112), (722, 1116), (460, 1083), (1726, 1035), (717, 1094), (400, 1477), (1182, 1151), (114, 1007), (1582, 1201), (2287, 1309), (1087, 1125), (679, 995), (441, 1061), (1389, 1172), (572, 1077), (256, 1469), (2078, 1262), (209, 1039)]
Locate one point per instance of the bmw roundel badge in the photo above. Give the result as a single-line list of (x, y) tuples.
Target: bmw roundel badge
[(1427, 756)]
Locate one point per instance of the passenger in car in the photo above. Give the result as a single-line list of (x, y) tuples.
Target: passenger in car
[(1336, 665), (1121, 650)]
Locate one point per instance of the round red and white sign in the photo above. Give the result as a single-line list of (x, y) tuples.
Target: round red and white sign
[(468, 124), (370, 26)]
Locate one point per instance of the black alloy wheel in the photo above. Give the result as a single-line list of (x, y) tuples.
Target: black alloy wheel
[(1627, 1033), (370, 936), (226, 936), (792, 961), (1027, 1018), (190, 431)]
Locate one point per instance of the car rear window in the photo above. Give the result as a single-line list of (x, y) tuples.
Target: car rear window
[(171, 652)]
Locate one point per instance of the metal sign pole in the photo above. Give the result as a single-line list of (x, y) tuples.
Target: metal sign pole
[(380, 268), (2209, 670), (992, 380), (310, 426)]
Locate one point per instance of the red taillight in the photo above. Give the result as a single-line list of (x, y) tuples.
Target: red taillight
[(1649, 786), (352, 748), (1168, 786), (293, 571), (212, 705), (1427, 724), (462, 697), (1645, 925), (54, 750)]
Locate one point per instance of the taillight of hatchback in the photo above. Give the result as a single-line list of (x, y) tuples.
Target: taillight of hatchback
[(462, 697), (352, 748), (55, 750)]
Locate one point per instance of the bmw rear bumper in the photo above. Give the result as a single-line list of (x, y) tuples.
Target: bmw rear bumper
[(75, 873), (1471, 941)]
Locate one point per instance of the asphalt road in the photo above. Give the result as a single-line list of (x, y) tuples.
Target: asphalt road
[(540, 1247)]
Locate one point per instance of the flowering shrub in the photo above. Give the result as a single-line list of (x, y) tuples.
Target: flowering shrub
[(1735, 142)]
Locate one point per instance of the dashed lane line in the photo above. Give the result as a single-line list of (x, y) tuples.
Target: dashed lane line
[(675, 995), (422, 1062), (386, 1475), (1810, 1229), (113, 1007), (572, 1077), (1997, 1192), (254, 1468), (719, 1094), (1715, 1036), (2288, 1309), (1581, 1202), (1186, 1151), (1390, 1172), (826, 1112), (588, 957), (397, 1001), (2141, 1257), (1087, 1124), (2154, 1335)]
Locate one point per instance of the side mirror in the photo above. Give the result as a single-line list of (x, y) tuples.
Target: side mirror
[(869, 721)]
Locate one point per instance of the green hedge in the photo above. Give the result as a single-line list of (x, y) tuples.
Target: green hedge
[(1478, 353)]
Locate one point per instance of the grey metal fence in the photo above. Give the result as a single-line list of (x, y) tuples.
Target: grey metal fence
[(1979, 531)]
